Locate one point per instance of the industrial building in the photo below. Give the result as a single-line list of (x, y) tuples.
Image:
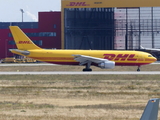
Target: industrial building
[(109, 25), (46, 33)]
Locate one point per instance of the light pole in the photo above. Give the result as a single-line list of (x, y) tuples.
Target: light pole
[(22, 13)]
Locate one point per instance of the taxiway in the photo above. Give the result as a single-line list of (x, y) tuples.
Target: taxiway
[(83, 73)]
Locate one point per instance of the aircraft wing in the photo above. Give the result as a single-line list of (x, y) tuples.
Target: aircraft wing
[(85, 59), (151, 49)]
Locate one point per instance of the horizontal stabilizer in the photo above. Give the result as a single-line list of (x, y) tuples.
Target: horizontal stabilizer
[(20, 51)]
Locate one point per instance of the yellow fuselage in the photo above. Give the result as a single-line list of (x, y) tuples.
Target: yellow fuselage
[(65, 57)]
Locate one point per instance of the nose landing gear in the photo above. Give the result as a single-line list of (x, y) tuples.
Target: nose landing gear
[(138, 69)]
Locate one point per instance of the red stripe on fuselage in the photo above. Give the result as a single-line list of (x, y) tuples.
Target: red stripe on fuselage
[(117, 64), (53, 58), (46, 59), (149, 59)]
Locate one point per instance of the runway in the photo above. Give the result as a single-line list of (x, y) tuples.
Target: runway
[(74, 72), (83, 73), (37, 64)]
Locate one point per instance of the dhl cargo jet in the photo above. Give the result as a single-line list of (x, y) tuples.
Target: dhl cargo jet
[(106, 59)]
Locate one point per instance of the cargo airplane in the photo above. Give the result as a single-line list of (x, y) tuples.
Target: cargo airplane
[(106, 59)]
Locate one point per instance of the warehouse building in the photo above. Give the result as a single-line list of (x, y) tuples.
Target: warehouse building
[(46, 33), (108, 24)]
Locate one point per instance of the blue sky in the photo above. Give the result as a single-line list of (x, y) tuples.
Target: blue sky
[(10, 9)]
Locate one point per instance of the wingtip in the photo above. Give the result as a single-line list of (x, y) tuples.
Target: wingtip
[(154, 99), (141, 47)]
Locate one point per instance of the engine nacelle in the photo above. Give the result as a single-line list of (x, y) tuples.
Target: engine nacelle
[(107, 65)]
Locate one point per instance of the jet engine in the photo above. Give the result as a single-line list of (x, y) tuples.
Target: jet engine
[(107, 65)]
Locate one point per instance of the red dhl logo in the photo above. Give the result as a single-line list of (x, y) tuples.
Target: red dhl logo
[(78, 4), (24, 42), (122, 57)]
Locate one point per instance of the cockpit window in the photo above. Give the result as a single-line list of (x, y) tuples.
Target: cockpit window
[(150, 56)]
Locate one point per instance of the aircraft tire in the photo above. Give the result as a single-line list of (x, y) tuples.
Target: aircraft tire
[(138, 70), (87, 70)]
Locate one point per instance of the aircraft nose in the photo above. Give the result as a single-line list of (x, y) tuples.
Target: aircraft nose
[(155, 59)]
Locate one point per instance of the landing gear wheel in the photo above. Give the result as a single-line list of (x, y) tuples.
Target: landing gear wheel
[(138, 69), (86, 70)]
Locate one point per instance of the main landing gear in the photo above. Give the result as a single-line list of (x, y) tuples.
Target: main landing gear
[(138, 69), (87, 68)]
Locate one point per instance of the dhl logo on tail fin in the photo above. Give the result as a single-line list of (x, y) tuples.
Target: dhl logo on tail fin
[(22, 41)]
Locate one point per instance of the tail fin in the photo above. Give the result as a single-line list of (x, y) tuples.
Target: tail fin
[(151, 110), (22, 41)]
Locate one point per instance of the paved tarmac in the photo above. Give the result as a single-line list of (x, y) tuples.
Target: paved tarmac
[(73, 72), (83, 73)]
